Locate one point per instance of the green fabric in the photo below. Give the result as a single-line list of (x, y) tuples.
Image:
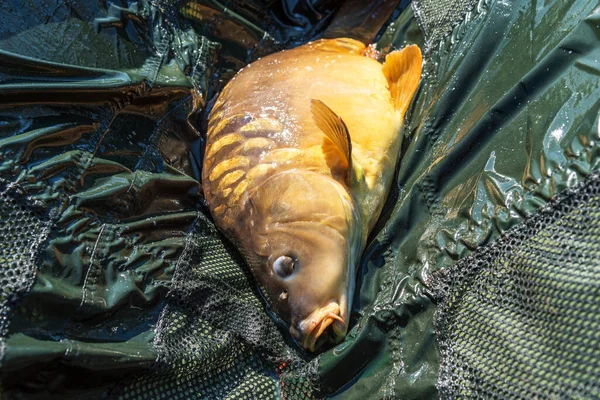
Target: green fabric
[(519, 317), (115, 282)]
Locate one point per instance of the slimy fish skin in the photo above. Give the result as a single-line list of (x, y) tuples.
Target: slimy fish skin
[(300, 154)]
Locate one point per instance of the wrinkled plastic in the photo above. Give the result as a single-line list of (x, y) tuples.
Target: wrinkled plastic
[(101, 139), (100, 145), (507, 118)]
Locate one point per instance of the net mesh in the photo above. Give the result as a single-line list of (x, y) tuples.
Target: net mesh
[(519, 318), (23, 227), (437, 18), (214, 338)]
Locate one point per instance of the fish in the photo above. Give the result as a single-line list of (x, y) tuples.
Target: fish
[(301, 149)]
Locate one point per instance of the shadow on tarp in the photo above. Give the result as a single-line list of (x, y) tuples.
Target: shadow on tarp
[(115, 282)]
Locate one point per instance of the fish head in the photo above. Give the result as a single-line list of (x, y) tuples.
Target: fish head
[(307, 274), (305, 245)]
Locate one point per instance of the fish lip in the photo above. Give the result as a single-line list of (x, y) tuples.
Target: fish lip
[(309, 330)]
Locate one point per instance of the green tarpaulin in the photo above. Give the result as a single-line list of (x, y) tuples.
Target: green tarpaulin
[(481, 279)]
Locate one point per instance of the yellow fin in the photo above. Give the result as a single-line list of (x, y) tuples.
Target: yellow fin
[(402, 69), (340, 45), (335, 130)]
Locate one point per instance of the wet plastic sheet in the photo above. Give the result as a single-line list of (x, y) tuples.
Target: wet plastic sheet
[(88, 150), (102, 107), (97, 187), (115, 282), (507, 120)]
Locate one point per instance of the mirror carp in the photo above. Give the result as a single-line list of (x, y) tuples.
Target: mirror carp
[(300, 156)]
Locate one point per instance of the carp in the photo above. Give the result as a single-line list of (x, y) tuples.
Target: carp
[(300, 154)]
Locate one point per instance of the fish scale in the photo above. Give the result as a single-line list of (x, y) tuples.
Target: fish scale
[(301, 150)]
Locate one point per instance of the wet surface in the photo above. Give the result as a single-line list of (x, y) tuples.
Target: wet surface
[(117, 279)]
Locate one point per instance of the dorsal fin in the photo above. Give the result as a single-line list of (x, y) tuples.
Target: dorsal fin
[(335, 130), (340, 45), (402, 70)]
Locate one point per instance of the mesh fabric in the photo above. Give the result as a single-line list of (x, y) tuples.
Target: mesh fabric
[(519, 318), (214, 339), (23, 227), (437, 17)]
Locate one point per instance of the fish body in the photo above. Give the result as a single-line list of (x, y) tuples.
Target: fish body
[(300, 154)]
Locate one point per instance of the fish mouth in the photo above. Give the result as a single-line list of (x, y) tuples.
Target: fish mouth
[(312, 332)]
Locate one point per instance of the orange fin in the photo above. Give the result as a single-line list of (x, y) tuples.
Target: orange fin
[(402, 69), (334, 129)]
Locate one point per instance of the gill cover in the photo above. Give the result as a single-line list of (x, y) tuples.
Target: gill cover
[(302, 226)]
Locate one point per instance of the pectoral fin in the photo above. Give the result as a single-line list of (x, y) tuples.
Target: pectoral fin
[(402, 69), (335, 130)]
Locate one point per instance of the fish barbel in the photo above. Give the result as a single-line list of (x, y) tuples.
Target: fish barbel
[(300, 154)]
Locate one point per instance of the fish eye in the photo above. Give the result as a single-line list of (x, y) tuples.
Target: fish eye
[(284, 266)]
